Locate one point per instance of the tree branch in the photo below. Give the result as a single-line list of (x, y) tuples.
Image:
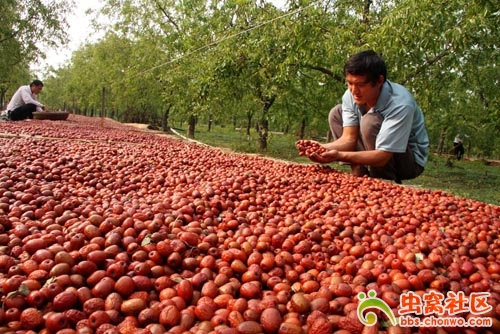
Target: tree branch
[(430, 62), (324, 71), (165, 13)]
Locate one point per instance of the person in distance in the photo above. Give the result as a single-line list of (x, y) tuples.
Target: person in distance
[(25, 102), (458, 147), (378, 129)]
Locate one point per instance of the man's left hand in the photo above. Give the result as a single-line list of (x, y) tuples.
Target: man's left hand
[(325, 157)]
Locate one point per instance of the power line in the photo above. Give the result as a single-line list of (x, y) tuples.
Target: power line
[(215, 43)]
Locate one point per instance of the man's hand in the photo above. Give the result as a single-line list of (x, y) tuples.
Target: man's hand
[(325, 157), (308, 147)]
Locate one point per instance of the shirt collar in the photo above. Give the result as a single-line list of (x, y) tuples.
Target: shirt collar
[(384, 97)]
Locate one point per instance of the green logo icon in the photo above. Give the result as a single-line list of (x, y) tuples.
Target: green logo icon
[(371, 301)]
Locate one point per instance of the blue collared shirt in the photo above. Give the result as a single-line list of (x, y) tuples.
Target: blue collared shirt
[(403, 122)]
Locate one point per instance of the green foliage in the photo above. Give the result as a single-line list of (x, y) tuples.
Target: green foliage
[(281, 69), (26, 28)]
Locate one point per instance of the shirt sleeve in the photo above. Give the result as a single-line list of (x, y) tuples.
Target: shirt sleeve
[(350, 115)]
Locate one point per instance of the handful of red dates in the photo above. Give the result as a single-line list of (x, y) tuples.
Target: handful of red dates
[(308, 147)]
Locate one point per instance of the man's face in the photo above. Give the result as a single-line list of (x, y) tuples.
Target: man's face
[(363, 91), (36, 89)]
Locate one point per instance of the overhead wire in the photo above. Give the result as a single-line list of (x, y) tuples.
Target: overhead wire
[(223, 39)]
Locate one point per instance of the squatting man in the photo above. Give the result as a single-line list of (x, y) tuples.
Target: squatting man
[(24, 102), (378, 129)]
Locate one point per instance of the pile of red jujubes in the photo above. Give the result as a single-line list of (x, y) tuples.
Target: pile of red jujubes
[(309, 147), (107, 229)]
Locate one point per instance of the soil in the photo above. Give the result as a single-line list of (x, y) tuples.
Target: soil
[(146, 128)]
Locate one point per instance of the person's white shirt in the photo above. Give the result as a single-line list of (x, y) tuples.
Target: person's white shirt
[(24, 96)]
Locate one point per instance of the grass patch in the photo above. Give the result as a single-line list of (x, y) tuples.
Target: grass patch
[(473, 179)]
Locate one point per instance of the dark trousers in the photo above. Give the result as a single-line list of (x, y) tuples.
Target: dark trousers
[(459, 150), (22, 112), (402, 166)]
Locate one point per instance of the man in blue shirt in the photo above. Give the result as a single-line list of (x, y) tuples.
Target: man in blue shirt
[(379, 124)]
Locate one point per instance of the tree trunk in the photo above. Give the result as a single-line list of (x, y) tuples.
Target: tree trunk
[(263, 126), (164, 120), (3, 102), (329, 136), (366, 11), (442, 138), (209, 123), (263, 130), (191, 126), (102, 114), (249, 123), (302, 133)]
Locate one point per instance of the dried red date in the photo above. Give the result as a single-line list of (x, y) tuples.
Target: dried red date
[(132, 230), (309, 147)]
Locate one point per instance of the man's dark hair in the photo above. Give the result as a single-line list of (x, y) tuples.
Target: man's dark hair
[(367, 63), (37, 83)]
